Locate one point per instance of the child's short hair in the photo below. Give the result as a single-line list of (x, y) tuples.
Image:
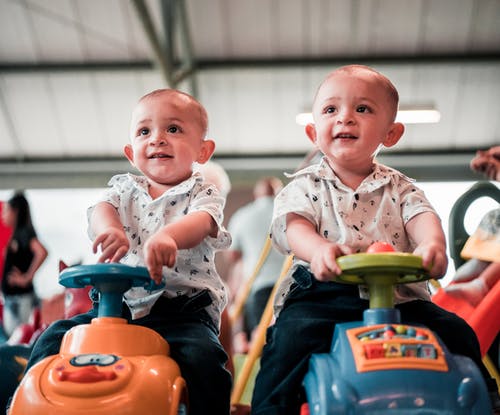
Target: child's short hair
[(390, 89), (202, 111)]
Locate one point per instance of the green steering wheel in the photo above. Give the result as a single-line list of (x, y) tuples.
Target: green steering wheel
[(380, 272)]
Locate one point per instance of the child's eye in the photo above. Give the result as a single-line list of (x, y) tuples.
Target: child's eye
[(173, 129), (362, 108), (144, 131), (329, 110)]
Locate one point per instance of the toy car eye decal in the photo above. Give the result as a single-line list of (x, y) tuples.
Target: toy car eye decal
[(94, 360)]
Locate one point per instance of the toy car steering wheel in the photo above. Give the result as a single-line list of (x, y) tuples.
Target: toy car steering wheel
[(112, 280), (380, 272)]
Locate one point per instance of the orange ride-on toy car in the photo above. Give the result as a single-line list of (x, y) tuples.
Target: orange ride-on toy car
[(108, 366)]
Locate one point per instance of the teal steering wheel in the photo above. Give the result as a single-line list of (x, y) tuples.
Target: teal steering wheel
[(112, 280)]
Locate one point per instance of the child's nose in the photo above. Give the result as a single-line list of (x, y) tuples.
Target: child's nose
[(158, 138), (345, 117)]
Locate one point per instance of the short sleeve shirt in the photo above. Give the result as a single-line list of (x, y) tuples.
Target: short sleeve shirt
[(142, 216), (249, 227), (377, 210)]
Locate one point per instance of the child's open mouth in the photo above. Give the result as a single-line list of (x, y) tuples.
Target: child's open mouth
[(345, 135), (160, 156)]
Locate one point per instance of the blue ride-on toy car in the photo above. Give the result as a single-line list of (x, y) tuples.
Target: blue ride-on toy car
[(380, 366)]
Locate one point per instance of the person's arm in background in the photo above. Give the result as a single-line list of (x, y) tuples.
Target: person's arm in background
[(491, 275), (40, 253), (426, 232)]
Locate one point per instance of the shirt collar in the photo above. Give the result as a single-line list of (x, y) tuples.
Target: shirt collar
[(380, 176), (141, 183)]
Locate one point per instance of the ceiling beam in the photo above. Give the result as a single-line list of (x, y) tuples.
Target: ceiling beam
[(202, 64), (80, 173), (161, 52)]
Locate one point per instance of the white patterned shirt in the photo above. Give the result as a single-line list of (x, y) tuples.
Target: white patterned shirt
[(377, 210), (142, 216)]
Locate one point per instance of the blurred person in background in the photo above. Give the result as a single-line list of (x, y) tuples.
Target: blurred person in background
[(249, 228), (24, 256)]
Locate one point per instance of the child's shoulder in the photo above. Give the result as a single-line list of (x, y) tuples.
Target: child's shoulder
[(320, 170), (386, 173), (125, 178)]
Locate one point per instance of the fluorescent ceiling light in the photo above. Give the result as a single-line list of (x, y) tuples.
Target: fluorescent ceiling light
[(304, 118), (407, 114), (418, 114)]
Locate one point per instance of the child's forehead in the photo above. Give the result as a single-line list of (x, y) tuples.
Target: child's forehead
[(364, 83), (165, 99), (359, 83), (164, 106), (170, 104)]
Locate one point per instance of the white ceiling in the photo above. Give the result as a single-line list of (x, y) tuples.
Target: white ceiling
[(71, 70)]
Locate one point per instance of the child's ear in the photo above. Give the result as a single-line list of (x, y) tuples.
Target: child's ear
[(129, 153), (395, 133), (206, 151), (310, 130)]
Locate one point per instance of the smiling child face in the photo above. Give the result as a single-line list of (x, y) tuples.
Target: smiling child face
[(167, 137), (353, 116)]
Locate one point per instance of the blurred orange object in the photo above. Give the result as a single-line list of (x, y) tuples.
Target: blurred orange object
[(484, 318)]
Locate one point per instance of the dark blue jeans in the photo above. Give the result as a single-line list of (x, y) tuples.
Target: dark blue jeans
[(254, 308), (305, 326), (193, 341)]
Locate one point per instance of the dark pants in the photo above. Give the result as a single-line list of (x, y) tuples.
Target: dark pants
[(305, 326), (254, 308), (193, 341)]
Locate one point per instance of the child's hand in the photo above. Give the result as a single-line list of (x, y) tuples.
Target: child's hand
[(323, 262), (159, 250), (433, 258), (114, 244)]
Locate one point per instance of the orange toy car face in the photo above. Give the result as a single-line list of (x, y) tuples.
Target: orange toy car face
[(103, 383), (88, 375)]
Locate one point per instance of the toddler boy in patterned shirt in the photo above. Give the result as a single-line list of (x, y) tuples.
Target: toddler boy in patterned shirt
[(341, 206), (169, 220)]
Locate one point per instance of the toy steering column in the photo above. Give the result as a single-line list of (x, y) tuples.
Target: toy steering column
[(380, 272), (111, 280)]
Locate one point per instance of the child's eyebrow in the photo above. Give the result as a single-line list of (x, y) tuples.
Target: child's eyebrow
[(355, 99), (142, 121), (367, 99)]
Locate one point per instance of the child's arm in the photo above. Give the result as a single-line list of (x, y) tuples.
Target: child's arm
[(426, 231), (308, 245), (161, 248), (110, 236)]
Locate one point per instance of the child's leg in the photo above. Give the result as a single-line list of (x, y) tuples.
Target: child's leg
[(451, 329), (202, 359), (304, 326), (196, 348)]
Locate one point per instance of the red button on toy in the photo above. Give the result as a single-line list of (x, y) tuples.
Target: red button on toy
[(378, 247)]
